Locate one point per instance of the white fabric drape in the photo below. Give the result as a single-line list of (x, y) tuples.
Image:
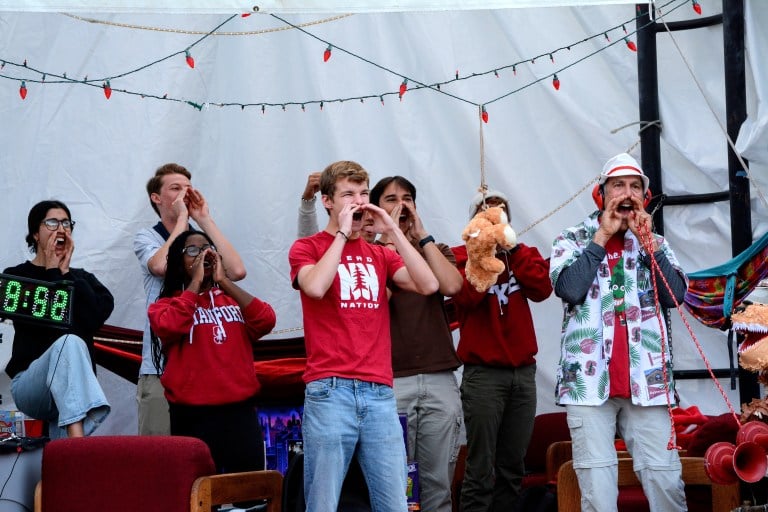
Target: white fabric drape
[(541, 145)]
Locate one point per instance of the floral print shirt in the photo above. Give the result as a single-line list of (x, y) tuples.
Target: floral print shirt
[(588, 328)]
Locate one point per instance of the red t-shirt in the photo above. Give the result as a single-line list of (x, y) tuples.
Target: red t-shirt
[(618, 369), (346, 333)]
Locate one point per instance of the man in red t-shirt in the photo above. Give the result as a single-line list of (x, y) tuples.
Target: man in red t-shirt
[(349, 405)]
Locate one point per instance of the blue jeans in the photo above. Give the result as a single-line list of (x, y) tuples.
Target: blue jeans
[(345, 418), (60, 387)]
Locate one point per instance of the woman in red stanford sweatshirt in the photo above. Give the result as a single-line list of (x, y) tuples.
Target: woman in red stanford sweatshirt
[(205, 325)]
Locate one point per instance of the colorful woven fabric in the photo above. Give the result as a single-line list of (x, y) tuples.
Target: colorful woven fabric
[(714, 292)]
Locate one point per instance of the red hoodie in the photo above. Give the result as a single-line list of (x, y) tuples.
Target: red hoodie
[(496, 327), (207, 340)]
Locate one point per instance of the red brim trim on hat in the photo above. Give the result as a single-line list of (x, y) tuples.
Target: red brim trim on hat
[(621, 167)]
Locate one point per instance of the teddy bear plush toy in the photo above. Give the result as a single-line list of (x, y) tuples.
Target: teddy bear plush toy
[(487, 230)]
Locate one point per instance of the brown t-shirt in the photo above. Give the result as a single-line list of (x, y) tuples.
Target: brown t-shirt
[(421, 338)]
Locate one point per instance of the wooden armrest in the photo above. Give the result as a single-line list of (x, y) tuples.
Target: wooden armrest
[(724, 497), (236, 487), (562, 451), (39, 496)]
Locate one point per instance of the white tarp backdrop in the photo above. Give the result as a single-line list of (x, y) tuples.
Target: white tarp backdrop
[(284, 6), (541, 145)]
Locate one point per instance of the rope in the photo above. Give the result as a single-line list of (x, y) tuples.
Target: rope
[(133, 342), (196, 32), (648, 245), (643, 126), (646, 241), (483, 188), (558, 208), (117, 341)]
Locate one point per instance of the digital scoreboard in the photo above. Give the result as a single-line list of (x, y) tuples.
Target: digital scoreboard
[(31, 299)]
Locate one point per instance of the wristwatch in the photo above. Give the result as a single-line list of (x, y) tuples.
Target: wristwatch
[(424, 241)]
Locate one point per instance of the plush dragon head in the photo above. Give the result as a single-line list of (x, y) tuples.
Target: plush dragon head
[(751, 320)]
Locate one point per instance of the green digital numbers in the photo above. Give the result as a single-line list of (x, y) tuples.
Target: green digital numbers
[(28, 299), (59, 305), (40, 302), (12, 296)]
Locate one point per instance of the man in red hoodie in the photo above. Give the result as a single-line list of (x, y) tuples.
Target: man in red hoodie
[(498, 390)]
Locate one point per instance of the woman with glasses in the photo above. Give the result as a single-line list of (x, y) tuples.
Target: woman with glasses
[(52, 369), (206, 325)]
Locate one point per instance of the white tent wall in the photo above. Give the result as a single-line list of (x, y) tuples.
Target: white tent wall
[(283, 6), (541, 145)]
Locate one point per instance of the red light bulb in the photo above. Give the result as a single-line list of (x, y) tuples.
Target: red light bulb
[(107, 89), (696, 7), (630, 44), (556, 83), (403, 88), (190, 60), (484, 115), (327, 54), (23, 90)]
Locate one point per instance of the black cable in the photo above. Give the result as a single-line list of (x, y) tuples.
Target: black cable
[(22, 505), (58, 358), (20, 440), (10, 474)]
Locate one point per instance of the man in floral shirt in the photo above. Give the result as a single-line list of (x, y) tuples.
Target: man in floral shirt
[(615, 373)]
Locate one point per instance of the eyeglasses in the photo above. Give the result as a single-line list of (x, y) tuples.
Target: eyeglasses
[(53, 224), (194, 251)]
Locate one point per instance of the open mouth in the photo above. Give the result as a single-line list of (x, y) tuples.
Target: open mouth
[(750, 340), (752, 323), (625, 207), (357, 215), (60, 242)]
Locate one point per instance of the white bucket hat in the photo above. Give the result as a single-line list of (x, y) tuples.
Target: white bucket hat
[(623, 165)]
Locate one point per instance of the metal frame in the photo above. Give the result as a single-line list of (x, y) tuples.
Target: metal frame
[(732, 19)]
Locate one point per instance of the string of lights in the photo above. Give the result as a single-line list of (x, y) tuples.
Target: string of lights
[(437, 86), (64, 79), (407, 83)]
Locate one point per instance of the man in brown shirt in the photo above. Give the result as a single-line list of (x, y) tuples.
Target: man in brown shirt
[(423, 355)]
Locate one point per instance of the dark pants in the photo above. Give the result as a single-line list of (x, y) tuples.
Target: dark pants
[(232, 433), (499, 410)]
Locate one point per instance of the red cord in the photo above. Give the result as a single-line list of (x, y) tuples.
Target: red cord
[(646, 240)]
